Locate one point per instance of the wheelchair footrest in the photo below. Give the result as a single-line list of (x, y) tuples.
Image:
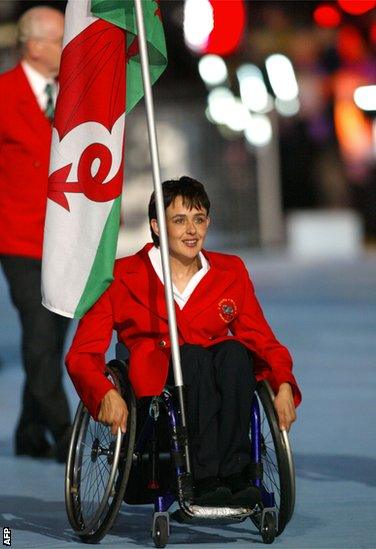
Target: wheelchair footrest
[(225, 515)]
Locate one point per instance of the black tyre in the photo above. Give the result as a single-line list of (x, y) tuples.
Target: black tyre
[(98, 465), (160, 536), (277, 460), (269, 529)]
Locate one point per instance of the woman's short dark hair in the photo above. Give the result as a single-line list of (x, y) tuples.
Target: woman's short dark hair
[(192, 192)]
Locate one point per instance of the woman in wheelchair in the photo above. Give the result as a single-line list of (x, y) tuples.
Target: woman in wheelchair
[(225, 343)]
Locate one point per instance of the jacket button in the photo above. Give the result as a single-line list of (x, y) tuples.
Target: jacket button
[(37, 164), (162, 343), (210, 337)]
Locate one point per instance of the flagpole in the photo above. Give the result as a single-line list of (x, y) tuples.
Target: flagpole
[(175, 353)]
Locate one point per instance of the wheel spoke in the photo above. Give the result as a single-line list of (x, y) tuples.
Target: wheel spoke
[(275, 457), (97, 472)]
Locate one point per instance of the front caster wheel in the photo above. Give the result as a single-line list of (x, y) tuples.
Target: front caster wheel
[(160, 531), (269, 528)]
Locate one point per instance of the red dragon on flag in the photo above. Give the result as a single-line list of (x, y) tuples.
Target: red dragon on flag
[(100, 82)]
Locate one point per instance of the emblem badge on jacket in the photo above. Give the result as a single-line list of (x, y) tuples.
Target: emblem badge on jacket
[(227, 310)]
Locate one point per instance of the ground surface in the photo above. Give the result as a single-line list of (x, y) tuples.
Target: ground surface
[(326, 314)]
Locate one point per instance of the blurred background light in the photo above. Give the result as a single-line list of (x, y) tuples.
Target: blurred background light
[(229, 24), (225, 108), (220, 102), (238, 116), (214, 26), (365, 98), (258, 131), (327, 16), (212, 70), (287, 108), (208, 115), (350, 44), (372, 33), (282, 77), (198, 24), (354, 131), (252, 88), (357, 7)]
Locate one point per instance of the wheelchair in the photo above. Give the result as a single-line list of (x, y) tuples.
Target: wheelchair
[(149, 464)]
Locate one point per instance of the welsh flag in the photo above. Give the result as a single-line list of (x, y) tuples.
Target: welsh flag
[(100, 82)]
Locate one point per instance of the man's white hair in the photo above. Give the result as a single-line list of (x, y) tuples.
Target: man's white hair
[(32, 23)]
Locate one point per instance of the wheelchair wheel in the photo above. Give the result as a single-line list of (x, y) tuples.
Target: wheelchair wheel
[(161, 531), (277, 460), (268, 531), (98, 465)]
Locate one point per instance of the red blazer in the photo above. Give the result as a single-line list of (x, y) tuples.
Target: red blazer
[(25, 139), (134, 305)]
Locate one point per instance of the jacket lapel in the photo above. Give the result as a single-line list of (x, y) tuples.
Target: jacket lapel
[(29, 107), (209, 290), (144, 284)]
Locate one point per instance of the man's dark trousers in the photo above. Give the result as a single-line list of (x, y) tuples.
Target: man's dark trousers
[(219, 387), (45, 406)]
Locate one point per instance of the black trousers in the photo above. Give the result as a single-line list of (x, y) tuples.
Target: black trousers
[(44, 406), (219, 386)]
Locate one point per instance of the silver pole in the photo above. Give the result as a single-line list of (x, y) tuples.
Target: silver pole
[(158, 196)]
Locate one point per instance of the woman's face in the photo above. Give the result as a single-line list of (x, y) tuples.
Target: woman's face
[(186, 230)]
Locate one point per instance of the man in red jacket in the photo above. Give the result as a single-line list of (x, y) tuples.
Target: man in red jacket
[(27, 97), (225, 342)]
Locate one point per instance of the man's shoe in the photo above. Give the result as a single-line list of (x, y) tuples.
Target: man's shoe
[(211, 493), (243, 494)]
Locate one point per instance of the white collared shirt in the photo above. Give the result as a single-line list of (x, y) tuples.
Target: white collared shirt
[(181, 298), (38, 84)]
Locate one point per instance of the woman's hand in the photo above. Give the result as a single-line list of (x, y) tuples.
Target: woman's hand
[(284, 406), (113, 411)]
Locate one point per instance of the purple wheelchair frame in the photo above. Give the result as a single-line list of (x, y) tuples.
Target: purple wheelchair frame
[(163, 502)]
